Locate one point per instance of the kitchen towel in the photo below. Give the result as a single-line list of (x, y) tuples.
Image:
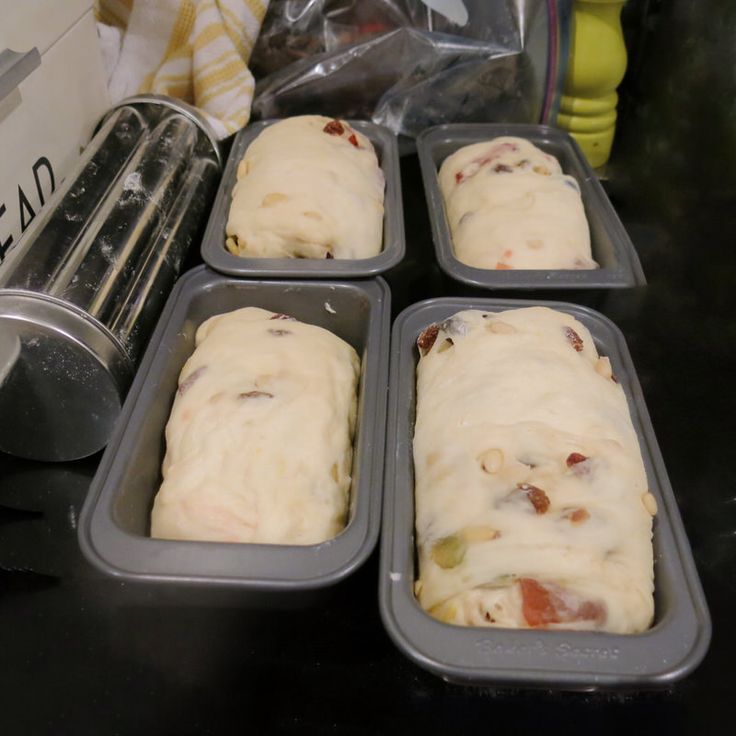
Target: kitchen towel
[(194, 50)]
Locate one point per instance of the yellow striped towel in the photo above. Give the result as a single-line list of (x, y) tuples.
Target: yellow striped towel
[(195, 50)]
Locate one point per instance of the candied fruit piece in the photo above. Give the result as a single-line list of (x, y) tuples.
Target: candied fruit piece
[(544, 604), (574, 339), (334, 127), (426, 338), (574, 458), (537, 497), (448, 552)]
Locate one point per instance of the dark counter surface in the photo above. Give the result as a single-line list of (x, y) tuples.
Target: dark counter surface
[(84, 654)]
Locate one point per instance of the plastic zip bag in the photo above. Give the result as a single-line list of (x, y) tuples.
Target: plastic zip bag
[(405, 66)]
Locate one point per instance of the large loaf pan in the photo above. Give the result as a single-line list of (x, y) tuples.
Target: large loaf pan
[(115, 522), (612, 248), (218, 257), (680, 635)]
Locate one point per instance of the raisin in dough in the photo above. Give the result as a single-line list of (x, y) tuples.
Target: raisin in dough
[(532, 507), (308, 187), (509, 206), (259, 441)]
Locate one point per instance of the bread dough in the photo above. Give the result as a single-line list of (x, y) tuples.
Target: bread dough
[(308, 187), (509, 206), (532, 507), (259, 441)]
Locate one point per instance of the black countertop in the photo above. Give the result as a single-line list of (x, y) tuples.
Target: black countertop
[(82, 653)]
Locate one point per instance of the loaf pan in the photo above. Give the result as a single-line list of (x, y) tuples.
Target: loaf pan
[(216, 255), (669, 650), (115, 521), (612, 248)]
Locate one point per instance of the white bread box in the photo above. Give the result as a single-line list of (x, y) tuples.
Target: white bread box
[(52, 92)]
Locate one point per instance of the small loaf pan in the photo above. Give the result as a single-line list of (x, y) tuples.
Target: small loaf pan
[(115, 521), (612, 248), (680, 635), (216, 255)]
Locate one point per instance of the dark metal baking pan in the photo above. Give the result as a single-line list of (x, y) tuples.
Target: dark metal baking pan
[(611, 246), (669, 650), (115, 521), (218, 257)]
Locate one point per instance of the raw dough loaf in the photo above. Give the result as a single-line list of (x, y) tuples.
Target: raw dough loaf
[(509, 206), (259, 441), (308, 187), (532, 507)]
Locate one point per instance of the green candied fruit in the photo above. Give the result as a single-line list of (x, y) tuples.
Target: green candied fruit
[(449, 552)]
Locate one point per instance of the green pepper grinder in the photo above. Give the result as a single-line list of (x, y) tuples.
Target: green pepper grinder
[(596, 67)]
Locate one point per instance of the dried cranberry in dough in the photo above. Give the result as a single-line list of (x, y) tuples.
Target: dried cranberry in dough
[(574, 339), (537, 497), (334, 127), (427, 338)]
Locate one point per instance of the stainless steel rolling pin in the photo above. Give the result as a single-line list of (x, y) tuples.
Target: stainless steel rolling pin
[(81, 293)]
